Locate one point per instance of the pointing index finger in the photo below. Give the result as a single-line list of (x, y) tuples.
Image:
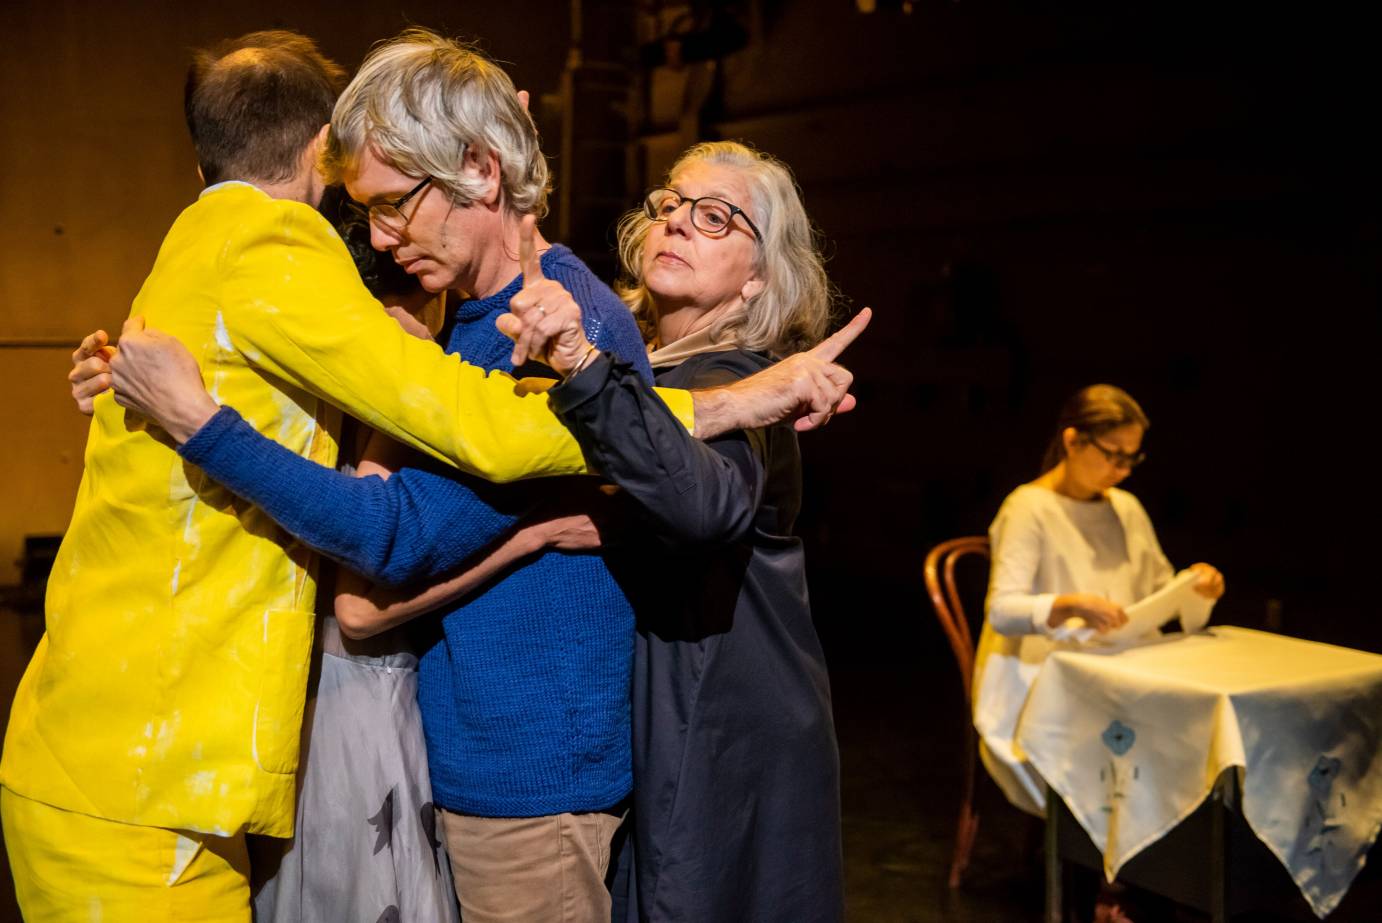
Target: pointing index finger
[(527, 251), (830, 348)]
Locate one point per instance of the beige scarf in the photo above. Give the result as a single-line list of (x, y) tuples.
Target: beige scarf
[(693, 344)]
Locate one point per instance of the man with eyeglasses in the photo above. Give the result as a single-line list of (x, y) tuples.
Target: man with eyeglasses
[(158, 721)]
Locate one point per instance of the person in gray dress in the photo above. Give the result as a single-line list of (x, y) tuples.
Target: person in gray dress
[(366, 845)]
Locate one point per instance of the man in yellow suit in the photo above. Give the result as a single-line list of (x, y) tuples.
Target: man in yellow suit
[(158, 722)]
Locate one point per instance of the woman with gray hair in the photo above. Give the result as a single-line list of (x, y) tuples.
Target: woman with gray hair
[(736, 770)]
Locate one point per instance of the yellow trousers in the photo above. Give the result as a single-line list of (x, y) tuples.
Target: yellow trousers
[(71, 867)]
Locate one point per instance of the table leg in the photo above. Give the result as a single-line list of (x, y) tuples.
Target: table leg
[(1223, 799), (1054, 899)]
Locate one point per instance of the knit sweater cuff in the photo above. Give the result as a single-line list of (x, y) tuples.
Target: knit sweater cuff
[(205, 441)]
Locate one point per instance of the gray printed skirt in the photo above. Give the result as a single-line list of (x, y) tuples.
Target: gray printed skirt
[(368, 846)]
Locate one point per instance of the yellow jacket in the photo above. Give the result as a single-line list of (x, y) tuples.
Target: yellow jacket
[(168, 690)]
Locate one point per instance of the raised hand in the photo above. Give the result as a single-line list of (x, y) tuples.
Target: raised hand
[(154, 375), (836, 398), (90, 373), (1210, 583), (544, 321), (808, 388)]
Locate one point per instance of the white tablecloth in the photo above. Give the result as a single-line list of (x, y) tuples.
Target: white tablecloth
[(1134, 741)]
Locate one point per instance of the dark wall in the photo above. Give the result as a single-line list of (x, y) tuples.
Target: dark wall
[(1182, 201), (1179, 201)]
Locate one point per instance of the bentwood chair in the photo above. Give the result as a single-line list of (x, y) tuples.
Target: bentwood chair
[(940, 584)]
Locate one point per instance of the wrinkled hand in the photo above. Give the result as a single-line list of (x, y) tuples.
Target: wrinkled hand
[(1211, 582), (90, 373), (1097, 612), (544, 321), (807, 387), (153, 374)]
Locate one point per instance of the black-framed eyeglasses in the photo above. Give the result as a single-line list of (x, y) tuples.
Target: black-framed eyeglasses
[(1116, 457), (710, 214), (389, 215)]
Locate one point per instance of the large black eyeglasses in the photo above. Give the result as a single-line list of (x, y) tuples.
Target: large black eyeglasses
[(389, 215), (708, 213), (1115, 457)]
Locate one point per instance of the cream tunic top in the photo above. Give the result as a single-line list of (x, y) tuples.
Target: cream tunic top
[(1045, 544)]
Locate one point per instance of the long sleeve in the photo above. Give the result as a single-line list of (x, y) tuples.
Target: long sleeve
[(694, 492), (294, 313), (1015, 539), (414, 525)]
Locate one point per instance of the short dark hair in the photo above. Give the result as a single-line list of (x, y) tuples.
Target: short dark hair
[(254, 102)]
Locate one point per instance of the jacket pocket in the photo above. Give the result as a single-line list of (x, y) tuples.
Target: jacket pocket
[(287, 638)]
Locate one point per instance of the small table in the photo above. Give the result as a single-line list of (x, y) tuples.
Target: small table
[(1133, 742)]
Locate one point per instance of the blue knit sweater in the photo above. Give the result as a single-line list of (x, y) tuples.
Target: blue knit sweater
[(525, 697)]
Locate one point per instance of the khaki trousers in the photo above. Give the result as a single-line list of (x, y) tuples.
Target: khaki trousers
[(531, 869)]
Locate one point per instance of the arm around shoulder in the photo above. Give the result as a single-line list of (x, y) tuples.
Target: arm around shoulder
[(298, 310), (696, 493)]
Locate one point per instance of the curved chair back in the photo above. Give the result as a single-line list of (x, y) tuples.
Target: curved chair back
[(945, 596), (940, 584)]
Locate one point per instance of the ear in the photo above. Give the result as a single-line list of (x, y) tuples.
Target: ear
[(483, 167), (311, 154), (752, 288), (200, 175), (1070, 437)]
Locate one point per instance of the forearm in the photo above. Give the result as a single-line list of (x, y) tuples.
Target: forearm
[(315, 327), (692, 492), (715, 410), (1017, 613), (393, 531), (181, 412), (364, 611), (183, 421)]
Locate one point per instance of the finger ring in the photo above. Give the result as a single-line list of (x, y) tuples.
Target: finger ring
[(541, 310)]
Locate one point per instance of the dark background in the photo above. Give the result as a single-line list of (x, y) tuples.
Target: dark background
[(1178, 199)]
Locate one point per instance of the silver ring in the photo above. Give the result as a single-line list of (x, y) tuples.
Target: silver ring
[(541, 310)]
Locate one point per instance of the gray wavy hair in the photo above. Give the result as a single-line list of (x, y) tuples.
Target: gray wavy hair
[(792, 311), (419, 100)]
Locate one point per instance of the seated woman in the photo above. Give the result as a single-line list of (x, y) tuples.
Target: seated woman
[(736, 771), (1070, 550)]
